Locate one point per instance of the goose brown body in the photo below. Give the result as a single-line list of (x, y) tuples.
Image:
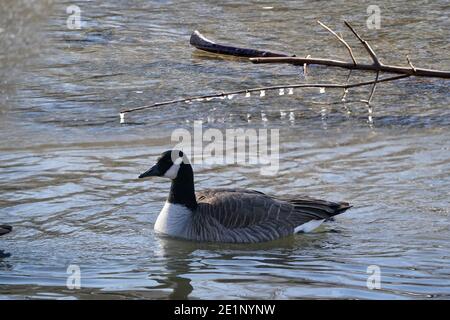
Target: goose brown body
[(241, 215)]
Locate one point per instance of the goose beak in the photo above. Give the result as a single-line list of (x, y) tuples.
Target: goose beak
[(152, 172)]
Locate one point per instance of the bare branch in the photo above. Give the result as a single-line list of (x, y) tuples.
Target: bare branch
[(365, 44), (372, 92), (344, 95), (373, 88), (244, 91), (305, 66), (420, 72), (350, 51), (258, 56), (410, 64)]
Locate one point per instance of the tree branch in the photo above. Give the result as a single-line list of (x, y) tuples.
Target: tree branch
[(365, 44), (410, 64), (305, 65), (419, 72), (201, 42), (350, 51), (372, 91), (245, 91), (259, 56)]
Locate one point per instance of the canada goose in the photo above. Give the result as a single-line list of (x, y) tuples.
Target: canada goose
[(4, 229), (231, 215)]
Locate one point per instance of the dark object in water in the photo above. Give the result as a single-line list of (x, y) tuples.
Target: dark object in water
[(4, 229), (4, 254), (202, 43)]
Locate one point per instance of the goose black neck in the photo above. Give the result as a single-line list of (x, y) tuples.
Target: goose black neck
[(182, 190)]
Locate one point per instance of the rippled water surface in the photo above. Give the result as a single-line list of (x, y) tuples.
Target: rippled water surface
[(68, 169)]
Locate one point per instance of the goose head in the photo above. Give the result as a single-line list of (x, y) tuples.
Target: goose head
[(172, 164)]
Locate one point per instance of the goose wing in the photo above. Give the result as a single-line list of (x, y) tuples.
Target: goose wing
[(255, 216), (316, 208)]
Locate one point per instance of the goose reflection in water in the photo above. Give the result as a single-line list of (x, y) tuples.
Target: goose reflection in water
[(185, 259)]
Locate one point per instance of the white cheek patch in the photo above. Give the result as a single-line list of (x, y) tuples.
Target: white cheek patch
[(178, 161), (172, 172)]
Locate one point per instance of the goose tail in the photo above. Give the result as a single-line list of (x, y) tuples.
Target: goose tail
[(343, 206), (319, 213)]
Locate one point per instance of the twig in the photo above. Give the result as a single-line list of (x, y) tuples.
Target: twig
[(410, 64), (373, 88), (350, 51), (372, 91), (344, 95), (348, 65), (365, 44), (302, 85), (305, 66), (369, 104), (369, 100)]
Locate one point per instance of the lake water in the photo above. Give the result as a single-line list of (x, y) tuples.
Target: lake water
[(68, 169)]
